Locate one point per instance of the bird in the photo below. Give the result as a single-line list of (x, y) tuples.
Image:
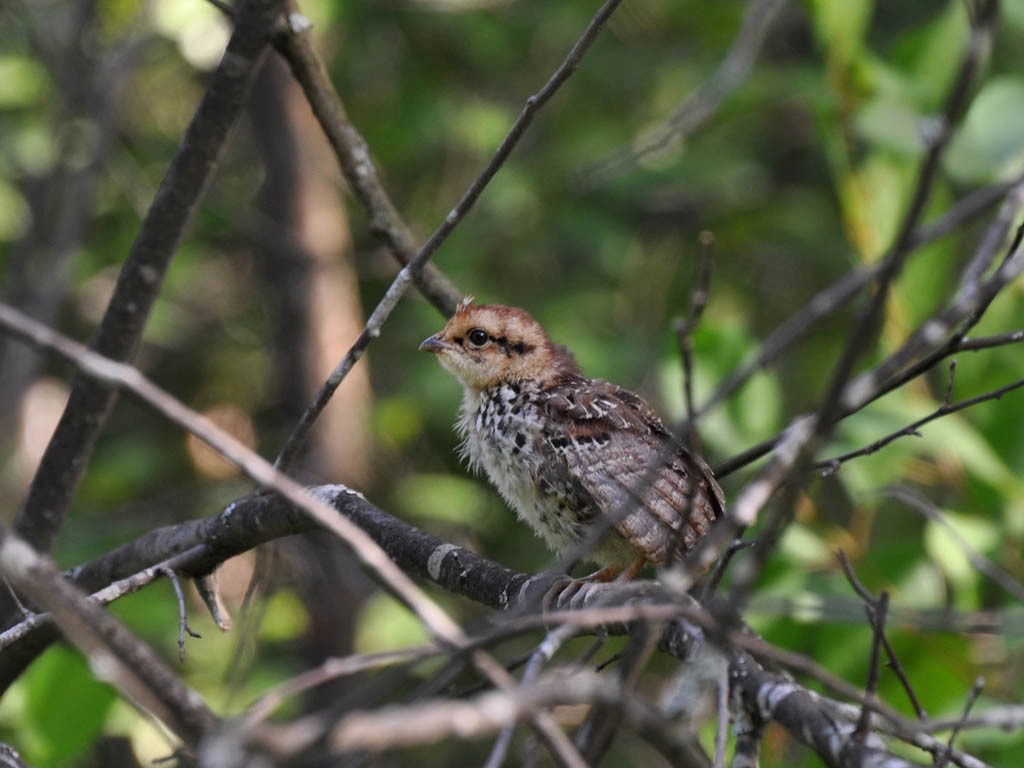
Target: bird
[(586, 464)]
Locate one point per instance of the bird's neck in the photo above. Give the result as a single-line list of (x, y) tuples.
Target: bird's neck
[(475, 398), (471, 397)]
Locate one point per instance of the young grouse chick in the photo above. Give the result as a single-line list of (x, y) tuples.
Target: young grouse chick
[(571, 454)]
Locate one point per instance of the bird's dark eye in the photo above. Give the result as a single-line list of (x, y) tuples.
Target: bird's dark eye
[(477, 337)]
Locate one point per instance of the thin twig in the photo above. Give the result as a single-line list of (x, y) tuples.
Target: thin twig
[(541, 655), (702, 104), (962, 212), (744, 510), (972, 697), (870, 606), (830, 465), (597, 733), (685, 328), (988, 342), (428, 722), (329, 670), (877, 611), (110, 593)]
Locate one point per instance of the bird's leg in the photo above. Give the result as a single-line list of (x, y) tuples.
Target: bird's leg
[(608, 573), (633, 569), (617, 572)]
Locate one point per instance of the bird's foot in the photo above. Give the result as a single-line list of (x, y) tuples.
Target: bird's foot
[(567, 593)]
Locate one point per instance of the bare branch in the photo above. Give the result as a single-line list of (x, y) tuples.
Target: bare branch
[(988, 342), (331, 669), (828, 466), (877, 612), (972, 697), (429, 722), (872, 606), (685, 328), (541, 656), (9, 757)]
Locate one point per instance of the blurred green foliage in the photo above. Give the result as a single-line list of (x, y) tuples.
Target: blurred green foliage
[(803, 174)]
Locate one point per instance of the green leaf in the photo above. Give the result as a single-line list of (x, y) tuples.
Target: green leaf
[(285, 617), (25, 82), (990, 145), (447, 498), (874, 196), (956, 438), (803, 546), (15, 217), (934, 68), (385, 624), (840, 26), (947, 549), (893, 124), (65, 707)]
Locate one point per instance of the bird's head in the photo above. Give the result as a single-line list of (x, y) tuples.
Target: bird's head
[(486, 345)]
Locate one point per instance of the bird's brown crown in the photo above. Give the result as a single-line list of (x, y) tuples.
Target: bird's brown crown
[(489, 344)]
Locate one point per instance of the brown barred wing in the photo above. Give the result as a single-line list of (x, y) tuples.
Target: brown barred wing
[(655, 495)]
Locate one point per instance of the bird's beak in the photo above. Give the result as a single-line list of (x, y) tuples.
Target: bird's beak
[(434, 344)]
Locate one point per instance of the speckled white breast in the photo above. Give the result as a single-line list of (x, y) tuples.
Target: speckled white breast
[(502, 430)]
